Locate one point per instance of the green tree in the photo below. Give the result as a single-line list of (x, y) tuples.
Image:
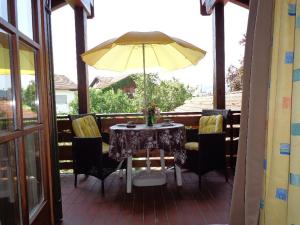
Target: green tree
[(167, 95), (234, 77), (109, 101), (74, 106), (29, 96)]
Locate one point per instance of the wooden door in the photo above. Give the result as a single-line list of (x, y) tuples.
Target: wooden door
[(25, 193)]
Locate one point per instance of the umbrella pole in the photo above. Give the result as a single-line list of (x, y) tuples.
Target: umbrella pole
[(145, 80)]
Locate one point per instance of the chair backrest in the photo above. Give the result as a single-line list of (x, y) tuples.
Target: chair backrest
[(211, 124), (87, 149), (85, 125), (225, 113)]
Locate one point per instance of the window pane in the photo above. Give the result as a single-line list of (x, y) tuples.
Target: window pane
[(33, 171), (28, 82), (9, 198), (61, 99), (6, 103), (25, 17), (3, 9)]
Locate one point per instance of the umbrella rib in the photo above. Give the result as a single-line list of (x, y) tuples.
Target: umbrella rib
[(127, 61), (155, 55), (178, 50)]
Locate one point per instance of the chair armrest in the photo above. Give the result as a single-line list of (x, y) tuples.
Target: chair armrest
[(191, 135)]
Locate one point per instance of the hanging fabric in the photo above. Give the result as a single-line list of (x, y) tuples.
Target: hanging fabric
[(280, 204), (248, 179)]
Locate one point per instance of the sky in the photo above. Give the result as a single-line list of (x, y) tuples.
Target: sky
[(176, 18)]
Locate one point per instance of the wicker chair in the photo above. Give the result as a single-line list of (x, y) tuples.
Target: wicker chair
[(206, 148), (90, 154)]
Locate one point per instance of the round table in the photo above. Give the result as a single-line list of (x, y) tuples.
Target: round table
[(126, 141)]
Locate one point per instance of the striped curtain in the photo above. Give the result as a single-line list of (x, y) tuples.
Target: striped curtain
[(280, 203)]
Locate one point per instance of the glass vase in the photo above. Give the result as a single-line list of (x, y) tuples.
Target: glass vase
[(150, 120)]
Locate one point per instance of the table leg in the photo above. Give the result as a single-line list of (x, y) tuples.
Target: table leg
[(119, 168), (129, 175), (120, 173), (178, 175), (148, 162), (162, 160)]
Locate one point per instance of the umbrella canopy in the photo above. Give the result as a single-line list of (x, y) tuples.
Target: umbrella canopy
[(126, 52), (143, 49)]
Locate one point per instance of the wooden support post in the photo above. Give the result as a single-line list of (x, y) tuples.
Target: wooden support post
[(129, 175), (82, 72), (219, 56)]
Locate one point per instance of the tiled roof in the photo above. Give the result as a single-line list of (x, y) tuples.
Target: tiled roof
[(104, 82), (101, 82), (196, 104), (6, 108), (63, 83)]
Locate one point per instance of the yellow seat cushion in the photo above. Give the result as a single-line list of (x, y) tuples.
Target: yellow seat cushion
[(191, 146), (86, 127), (105, 147), (211, 124)]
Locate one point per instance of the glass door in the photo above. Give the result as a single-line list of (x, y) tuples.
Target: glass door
[(24, 129)]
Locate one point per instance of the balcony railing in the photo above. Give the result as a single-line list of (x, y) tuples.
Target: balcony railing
[(189, 119)]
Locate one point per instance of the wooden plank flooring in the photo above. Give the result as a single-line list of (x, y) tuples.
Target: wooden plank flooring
[(161, 205)]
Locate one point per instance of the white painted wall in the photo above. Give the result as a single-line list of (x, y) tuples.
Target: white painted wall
[(64, 108)]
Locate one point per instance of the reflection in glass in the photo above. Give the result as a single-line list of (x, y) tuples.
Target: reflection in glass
[(3, 9), (25, 17), (6, 104), (28, 83), (33, 171), (9, 198)]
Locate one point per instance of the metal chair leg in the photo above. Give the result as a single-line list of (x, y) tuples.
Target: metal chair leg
[(175, 173), (226, 174), (75, 180), (102, 187), (199, 177)]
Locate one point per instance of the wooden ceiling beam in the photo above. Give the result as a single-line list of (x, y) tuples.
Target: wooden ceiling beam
[(242, 3), (207, 6), (88, 6), (56, 4)]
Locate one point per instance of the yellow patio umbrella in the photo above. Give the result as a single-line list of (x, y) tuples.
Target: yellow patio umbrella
[(143, 49)]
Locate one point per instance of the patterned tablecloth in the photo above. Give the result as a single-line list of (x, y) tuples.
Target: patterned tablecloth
[(125, 141)]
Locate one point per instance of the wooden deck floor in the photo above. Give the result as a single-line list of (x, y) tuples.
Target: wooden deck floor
[(165, 205)]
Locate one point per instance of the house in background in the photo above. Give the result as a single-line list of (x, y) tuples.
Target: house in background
[(65, 91), (125, 83), (196, 104)]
